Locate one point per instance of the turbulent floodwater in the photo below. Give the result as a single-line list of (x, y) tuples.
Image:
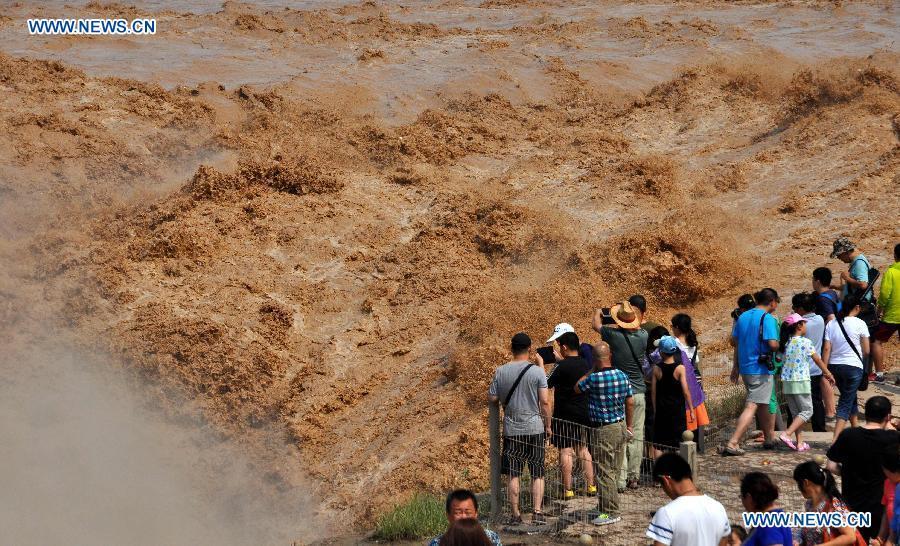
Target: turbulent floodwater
[(311, 228)]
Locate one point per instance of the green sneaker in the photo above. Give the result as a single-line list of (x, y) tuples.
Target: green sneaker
[(605, 519)]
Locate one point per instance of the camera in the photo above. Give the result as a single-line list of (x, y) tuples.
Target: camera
[(768, 360), (606, 316)]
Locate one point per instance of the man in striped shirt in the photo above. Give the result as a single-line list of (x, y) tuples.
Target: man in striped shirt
[(692, 518)]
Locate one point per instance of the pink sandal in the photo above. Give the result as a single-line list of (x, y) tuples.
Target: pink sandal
[(803, 447), (787, 441)]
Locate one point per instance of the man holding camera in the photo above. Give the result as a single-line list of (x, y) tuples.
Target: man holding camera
[(755, 338), (627, 342)]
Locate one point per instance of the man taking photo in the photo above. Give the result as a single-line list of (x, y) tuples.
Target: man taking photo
[(627, 341)]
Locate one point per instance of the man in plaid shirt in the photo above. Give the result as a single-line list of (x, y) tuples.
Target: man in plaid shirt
[(611, 407)]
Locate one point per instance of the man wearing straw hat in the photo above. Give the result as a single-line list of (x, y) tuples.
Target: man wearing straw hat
[(627, 342)]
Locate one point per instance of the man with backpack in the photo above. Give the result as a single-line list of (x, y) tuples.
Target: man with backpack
[(855, 282), (521, 387), (827, 299)]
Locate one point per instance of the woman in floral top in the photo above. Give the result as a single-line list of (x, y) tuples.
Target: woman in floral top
[(795, 380), (821, 493)]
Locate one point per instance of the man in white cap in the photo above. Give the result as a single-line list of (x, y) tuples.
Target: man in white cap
[(585, 351), (571, 417), (628, 342)]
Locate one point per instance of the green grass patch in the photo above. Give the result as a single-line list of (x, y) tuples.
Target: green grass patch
[(420, 517)]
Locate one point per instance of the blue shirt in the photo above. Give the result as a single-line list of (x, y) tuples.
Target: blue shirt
[(827, 304), (492, 536), (746, 334), (607, 391), (770, 536)]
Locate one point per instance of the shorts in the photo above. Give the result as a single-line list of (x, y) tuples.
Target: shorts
[(846, 379), (567, 434), (701, 420), (884, 331), (800, 405), (759, 388), (521, 450)]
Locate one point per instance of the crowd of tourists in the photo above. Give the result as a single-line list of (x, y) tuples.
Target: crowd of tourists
[(631, 396)]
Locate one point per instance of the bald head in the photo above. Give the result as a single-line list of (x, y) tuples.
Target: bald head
[(602, 356)]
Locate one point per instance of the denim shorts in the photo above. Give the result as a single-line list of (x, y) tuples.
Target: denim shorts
[(847, 379)]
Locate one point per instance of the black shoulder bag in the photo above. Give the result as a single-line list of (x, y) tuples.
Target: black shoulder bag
[(766, 357), (516, 384), (868, 313), (867, 367), (697, 373)]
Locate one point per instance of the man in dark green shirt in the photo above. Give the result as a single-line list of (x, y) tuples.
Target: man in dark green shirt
[(628, 343)]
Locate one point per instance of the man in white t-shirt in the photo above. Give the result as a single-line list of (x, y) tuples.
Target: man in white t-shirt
[(845, 360), (692, 518)]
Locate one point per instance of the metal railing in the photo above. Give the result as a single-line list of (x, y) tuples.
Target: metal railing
[(573, 516)]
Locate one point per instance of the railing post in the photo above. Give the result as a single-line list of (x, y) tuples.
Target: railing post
[(688, 451), (494, 434)]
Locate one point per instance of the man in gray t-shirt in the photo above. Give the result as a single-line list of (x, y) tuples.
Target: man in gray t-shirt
[(521, 389)]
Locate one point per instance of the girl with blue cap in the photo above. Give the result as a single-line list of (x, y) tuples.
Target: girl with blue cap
[(670, 395)]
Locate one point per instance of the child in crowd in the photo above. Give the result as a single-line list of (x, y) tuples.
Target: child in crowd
[(669, 393), (651, 360), (744, 303), (738, 536), (795, 379)]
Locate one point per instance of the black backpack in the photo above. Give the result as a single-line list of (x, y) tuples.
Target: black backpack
[(868, 312)]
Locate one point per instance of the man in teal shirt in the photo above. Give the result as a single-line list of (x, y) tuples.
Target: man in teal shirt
[(856, 278)]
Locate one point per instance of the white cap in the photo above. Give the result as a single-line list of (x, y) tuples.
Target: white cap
[(560, 329)]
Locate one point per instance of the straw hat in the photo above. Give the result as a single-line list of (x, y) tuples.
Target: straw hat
[(625, 316)]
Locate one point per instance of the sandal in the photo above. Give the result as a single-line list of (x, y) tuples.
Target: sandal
[(514, 520), (728, 451), (787, 441), (771, 446), (538, 518), (803, 447)]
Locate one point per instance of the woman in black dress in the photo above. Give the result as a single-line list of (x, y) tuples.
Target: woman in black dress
[(669, 392)]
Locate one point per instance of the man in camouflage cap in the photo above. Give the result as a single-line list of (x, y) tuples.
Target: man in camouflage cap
[(855, 280)]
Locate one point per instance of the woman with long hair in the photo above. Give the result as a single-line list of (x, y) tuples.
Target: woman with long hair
[(821, 493), (684, 334), (845, 349)]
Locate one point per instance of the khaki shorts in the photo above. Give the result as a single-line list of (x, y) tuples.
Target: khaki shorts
[(759, 388)]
